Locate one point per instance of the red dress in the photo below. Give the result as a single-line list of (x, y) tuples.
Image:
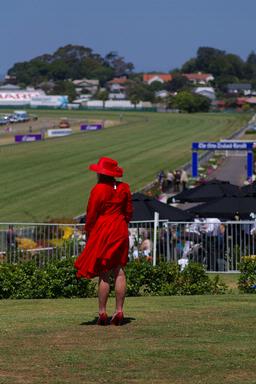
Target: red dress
[(108, 213)]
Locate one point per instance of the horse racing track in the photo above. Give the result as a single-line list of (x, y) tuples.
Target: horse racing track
[(50, 179)]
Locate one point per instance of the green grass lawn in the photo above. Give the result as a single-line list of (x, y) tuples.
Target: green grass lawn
[(183, 340), (230, 279), (50, 179)]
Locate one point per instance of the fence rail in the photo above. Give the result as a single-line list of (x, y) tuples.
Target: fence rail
[(219, 246)]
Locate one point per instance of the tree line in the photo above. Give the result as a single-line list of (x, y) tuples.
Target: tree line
[(76, 62)]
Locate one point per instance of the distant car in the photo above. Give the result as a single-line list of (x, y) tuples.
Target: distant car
[(13, 119), (6, 118), (22, 116), (2, 121)]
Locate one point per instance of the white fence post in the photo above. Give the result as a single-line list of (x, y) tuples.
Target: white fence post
[(156, 224)]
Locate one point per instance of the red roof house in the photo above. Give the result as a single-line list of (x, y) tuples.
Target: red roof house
[(199, 78), (118, 80), (149, 78)]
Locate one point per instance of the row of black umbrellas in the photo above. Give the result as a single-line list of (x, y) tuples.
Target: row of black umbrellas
[(144, 208), (221, 199), (215, 189), (218, 198)]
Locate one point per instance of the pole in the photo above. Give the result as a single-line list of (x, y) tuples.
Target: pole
[(194, 164), (156, 224)]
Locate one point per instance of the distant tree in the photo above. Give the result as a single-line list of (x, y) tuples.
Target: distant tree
[(205, 56), (246, 107), (231, 102), (65, 88), (190, 66), (139, 90), (135, 100), (251, 59), (177, 83), (70, 62), (103, 96), (175, 71), (221, 82), (236, 65), (216, 62), (189, 102), (250, 67), (59, 70), (253, 82), (170, 102), (156, 86), (118, 64)]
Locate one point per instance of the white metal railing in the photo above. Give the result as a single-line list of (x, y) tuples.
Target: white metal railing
[(40, 242), (219, 246)]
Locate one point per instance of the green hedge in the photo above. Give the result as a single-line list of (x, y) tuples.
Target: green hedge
[(57, 279), (247, 279), (166, 279)]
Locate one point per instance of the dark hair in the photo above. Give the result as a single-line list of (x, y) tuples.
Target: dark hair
[(104, 178)]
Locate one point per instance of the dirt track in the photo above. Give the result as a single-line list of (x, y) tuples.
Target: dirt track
[(7, 137)]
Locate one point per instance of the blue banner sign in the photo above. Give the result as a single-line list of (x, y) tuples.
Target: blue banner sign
[(224, 145), (90, 127), (27, 138)]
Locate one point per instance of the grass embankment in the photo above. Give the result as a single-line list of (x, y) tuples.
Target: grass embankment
[(183, 340), (50, 179)]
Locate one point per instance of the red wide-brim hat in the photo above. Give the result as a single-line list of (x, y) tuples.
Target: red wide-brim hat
[(107, 166)]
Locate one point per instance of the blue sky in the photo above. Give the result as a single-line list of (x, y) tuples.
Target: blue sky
[(153, 34)]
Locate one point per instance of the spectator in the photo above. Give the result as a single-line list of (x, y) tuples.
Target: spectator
[(184, 179), (146, 248), (177, 177), (11, 238), (170, 179), (108, 213), (160, 178)]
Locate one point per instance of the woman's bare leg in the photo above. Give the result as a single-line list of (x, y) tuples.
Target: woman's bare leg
[(103, 292), (120, 288)]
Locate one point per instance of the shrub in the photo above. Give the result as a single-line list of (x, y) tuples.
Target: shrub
[(57, 279), (166, 279), (247, 279)]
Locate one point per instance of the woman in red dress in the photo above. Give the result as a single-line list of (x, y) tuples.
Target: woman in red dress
[(109, 211)]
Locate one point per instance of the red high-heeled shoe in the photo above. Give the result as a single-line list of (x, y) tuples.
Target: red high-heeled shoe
[(117, 319), (103, 319)]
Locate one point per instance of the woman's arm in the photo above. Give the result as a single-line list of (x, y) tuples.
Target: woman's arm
[(93, 209), (128, 208)]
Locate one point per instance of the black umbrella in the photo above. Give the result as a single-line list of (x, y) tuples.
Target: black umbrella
[(249, 190), (144, 208), (226, 208), (211, 190)]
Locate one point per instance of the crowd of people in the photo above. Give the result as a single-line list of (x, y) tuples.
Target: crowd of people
[(173, 181), (209, 241)]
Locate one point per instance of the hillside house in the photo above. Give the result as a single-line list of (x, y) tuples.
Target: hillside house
[(199, 78), (86, 86), (117, 87), (239, 88), (206, 91), (149, 78)]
